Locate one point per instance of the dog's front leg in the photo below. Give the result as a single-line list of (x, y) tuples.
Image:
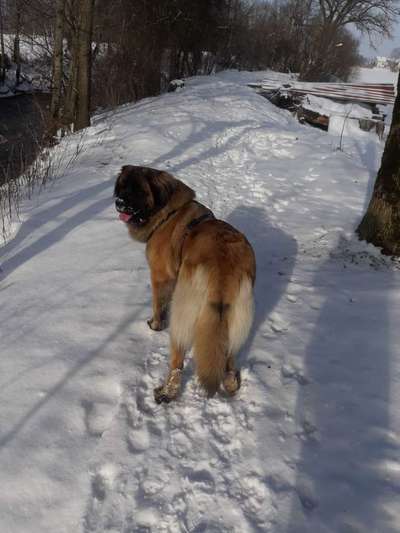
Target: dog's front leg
[(162, 293)]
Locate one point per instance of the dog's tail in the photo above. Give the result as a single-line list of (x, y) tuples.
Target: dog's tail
[(214, 316)]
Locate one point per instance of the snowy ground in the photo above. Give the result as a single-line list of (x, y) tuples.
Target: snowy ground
[(312, 442), (378, 75), (375, 75)]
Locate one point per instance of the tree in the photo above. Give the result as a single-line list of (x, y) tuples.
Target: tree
[(381, 223), (2, 48), (58, 53), (76, 109), (371, 17), (82, 118), (17, 53)]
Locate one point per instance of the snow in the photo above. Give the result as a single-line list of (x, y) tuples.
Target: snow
[(312, 441), (330, 107), (375, 75), (379, 75)]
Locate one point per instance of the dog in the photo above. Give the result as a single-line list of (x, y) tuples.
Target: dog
[(202, 274)]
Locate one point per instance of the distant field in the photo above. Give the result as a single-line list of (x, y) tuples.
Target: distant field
[(375, 75)]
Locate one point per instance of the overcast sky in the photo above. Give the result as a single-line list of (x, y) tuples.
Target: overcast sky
[(384, 47)]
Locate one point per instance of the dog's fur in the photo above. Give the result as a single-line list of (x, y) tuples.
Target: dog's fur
[(202, 267)]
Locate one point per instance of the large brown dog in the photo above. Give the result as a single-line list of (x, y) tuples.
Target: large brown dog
[(203, 267)]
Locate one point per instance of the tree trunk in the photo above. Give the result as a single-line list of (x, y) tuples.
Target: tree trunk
[(381, 222), (77, 100), (86, 8), (71, 98), (17, 54), (58, 61), (2, 50)]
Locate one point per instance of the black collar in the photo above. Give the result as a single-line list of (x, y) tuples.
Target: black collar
[(192, 224)]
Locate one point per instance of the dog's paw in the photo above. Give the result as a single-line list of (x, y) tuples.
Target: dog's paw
[(170, 390), (232, 381), (161, 396), (156, 325)]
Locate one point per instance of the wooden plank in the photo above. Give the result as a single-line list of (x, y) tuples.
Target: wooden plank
[(359, 98), (279, 83), (363, 92), (378, 89), (387, 92), (370, 96)]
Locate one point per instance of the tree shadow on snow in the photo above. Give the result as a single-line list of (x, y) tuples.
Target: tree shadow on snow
[(342, 407), (276, 253), (11, 434), (191, 151), (66, 225)]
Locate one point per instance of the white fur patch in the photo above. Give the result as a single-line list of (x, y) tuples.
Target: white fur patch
[(190, 297), (240, 316)]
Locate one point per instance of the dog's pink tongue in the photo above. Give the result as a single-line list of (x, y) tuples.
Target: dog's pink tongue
[(125, 217)]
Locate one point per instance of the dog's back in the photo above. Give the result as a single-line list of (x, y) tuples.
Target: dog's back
[(212, 305)]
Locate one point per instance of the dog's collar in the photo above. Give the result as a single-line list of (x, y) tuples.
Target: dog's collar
[(192, 224), (208, 215)]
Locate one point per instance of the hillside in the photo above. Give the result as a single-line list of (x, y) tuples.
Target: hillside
[(312, 441)]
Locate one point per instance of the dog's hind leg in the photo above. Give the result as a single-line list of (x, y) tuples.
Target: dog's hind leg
[(231, 380), (188, 299), (240, 320), (170, 390)]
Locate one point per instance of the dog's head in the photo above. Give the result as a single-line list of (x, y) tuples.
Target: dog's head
[(140, 193)]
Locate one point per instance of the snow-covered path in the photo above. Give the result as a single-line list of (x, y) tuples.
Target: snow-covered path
[(312, 441)]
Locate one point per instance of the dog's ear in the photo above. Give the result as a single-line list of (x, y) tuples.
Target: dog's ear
[(162, 186)]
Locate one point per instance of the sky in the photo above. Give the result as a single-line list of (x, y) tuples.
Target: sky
[(384, 47)]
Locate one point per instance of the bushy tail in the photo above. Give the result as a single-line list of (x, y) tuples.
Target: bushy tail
[(214, 317), (210, 346)]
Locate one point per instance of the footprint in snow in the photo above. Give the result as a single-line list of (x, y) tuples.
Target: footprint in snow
[(254, 498), (308, 431), (200, 480), (138, 440), (180, 446), (153, 485), (278, 324), (104, 510), (100, 406), (293, 372), (204, 516), (140, 420), (103, 481), (306, 493), (223, 420)]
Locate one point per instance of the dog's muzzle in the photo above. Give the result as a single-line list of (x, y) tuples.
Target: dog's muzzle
[(129, 214)]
